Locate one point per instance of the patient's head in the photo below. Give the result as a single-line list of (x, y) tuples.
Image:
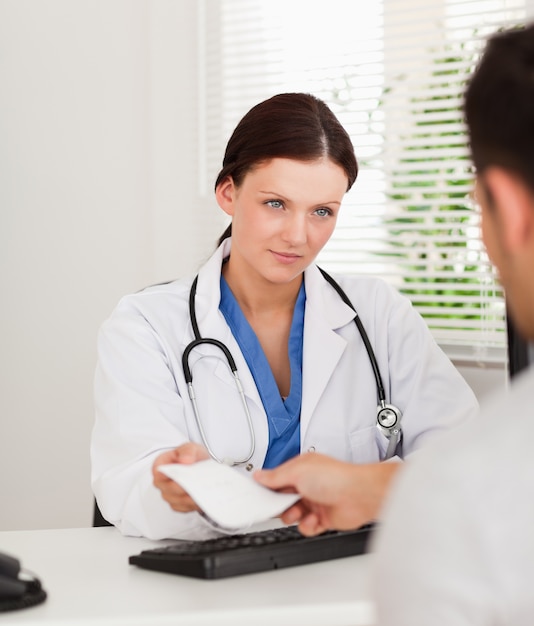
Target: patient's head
[(499, 105)]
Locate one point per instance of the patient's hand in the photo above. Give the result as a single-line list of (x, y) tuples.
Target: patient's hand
[(171, 492), (335, 494)]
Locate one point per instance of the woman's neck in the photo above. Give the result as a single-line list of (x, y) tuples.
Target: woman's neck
[(257, 296)]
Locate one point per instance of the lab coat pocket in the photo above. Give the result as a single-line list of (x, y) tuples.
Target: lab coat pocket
[(364, 445)]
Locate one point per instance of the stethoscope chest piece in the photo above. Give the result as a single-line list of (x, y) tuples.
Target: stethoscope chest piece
[(388, 422), (388, 417)]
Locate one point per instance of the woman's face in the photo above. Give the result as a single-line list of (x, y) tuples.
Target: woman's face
[(283, 214)]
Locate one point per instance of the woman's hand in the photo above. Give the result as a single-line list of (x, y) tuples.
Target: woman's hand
[(335, 494), (171, 492)]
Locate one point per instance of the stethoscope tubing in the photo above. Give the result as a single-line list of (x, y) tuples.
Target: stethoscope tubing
[(393, 433), (370, 352), (197, 341)]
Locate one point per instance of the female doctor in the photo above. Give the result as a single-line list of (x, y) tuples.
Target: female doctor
[(307, 382)]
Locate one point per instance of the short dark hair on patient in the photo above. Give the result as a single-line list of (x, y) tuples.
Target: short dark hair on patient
[(502, 88), (290, 125)]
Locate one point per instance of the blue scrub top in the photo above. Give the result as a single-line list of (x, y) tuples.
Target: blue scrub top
[(283, 416)]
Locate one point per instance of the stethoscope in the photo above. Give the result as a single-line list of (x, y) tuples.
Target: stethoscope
[(388, 416)]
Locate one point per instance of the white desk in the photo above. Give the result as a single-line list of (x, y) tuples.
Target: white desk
[(89, 582)]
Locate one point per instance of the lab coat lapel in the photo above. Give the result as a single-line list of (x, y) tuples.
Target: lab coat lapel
[(323, 347)]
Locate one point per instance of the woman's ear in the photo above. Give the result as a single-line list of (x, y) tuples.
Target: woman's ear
[(225, 195), (513, 203)]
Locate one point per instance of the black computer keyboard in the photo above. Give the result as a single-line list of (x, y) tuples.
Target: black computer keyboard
[(234, 555)]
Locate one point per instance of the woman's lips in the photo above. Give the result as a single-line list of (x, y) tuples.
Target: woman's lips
[(285, 257)]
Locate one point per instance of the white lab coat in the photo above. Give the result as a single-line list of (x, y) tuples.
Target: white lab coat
[(143, 407)]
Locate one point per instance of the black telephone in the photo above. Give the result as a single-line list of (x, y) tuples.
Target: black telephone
[(17, 588)]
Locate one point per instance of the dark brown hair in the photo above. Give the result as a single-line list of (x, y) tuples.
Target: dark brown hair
[(499, 104), (290, 125)]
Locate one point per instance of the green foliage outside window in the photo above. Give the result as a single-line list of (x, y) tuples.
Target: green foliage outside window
[(445, 268)]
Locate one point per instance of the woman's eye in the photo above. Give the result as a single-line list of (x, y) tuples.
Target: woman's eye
[(323, 212), (275, 204)]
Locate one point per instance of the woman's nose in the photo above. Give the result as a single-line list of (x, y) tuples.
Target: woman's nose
[(295, 229)]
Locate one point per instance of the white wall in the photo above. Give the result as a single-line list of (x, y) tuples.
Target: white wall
[(98, 123), (98, 197)]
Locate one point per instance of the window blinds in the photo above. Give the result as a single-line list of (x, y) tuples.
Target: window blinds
[(393, 71)]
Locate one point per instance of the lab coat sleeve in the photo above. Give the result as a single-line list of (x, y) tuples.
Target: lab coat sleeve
[(422, 381), (139, 414)]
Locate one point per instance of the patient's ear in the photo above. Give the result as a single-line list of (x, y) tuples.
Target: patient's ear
[(513, 202), (225, 195)]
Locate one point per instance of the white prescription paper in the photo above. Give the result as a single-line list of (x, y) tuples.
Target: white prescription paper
[(230, 499)]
